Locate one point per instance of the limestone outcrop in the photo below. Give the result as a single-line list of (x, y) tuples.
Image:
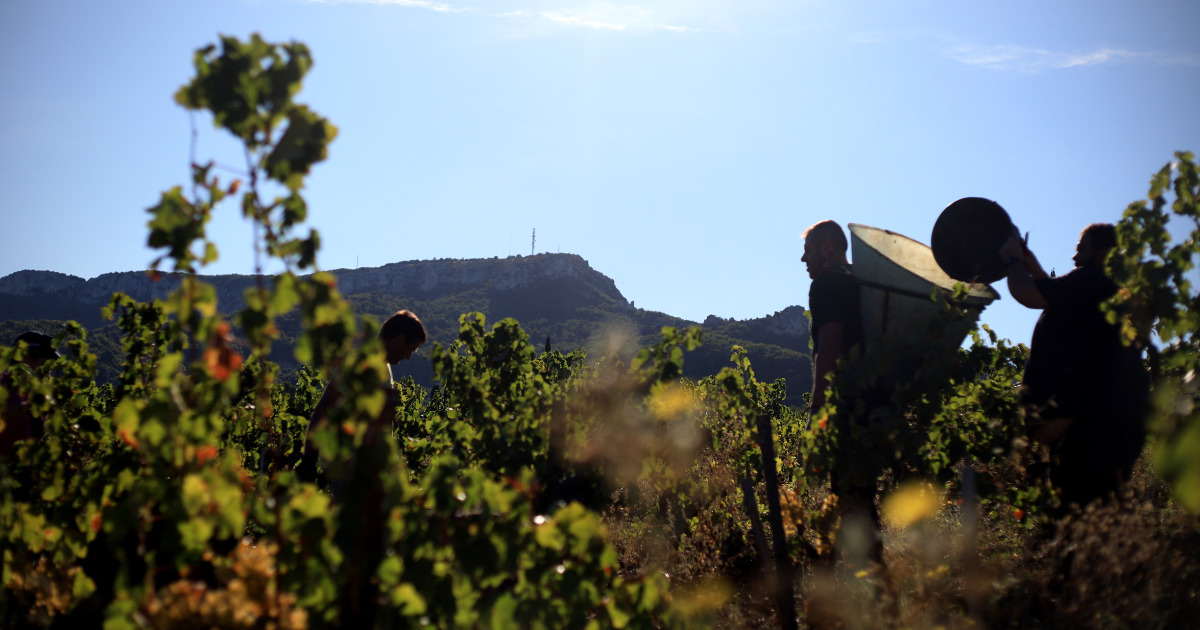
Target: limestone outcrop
[(414, 278)]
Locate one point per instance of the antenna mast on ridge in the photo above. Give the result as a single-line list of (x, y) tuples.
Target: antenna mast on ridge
[(533, 242)]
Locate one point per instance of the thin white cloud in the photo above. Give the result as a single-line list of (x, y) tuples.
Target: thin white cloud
[(611, 17), (882, 37), (1014, 58), (414, 4), (599, 15), (577, 20), (569, 19), (1028, 59)]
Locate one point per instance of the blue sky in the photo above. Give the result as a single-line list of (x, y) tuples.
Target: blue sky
[(680, 147)]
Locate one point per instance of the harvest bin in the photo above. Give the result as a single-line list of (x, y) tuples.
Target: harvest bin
[(896, 277)]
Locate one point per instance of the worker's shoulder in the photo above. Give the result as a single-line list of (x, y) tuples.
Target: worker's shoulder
[(834, 281), (1078, 288)]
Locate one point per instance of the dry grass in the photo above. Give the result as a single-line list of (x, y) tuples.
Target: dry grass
[(1133, 563)]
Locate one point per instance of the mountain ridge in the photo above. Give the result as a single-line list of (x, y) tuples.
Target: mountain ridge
[(556, 297), (414, 277)]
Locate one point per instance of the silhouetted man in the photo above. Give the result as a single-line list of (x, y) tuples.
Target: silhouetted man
[(402, 334), (18, 424), (360, 494), (833, 301), (1085, 393)]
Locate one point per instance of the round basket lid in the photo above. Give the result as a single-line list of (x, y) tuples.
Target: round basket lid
[(967, 238)]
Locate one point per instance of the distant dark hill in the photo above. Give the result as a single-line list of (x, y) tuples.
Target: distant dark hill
[(553, 295)]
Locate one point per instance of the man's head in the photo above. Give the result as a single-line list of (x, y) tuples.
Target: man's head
[(402, 333), (824, 247), (1095, 241), (39, 347)]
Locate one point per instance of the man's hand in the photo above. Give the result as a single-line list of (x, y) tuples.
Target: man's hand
[(1013, 248), (1051, 430)]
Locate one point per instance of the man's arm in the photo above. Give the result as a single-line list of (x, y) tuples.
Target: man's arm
[(829, 350), (1023, 268), (307, 468), (329, 398)]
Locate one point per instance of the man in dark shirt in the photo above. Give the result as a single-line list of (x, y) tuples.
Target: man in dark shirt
[(1085, 393), (402, 334), (361, 532), (16, 423), (833, 301)]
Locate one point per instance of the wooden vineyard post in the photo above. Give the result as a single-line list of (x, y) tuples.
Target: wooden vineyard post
[(750, 504), (784, 596)]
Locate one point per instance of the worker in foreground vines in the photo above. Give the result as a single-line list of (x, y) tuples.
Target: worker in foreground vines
[(833, 300), (1085, 393), (401, 334), (359, 491), (16, 423)]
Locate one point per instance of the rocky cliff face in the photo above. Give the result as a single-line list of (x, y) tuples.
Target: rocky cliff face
[(97, 291), (790, 322), (33, 283), (414, 278), (425, 277)]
